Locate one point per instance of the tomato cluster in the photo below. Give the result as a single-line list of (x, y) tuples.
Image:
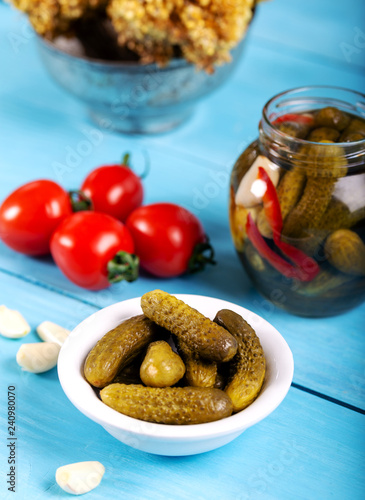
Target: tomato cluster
[(107, 239)]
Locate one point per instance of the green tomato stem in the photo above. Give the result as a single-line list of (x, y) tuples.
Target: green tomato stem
[(124, 266), (80, 201), (203, 254), (147, 166)]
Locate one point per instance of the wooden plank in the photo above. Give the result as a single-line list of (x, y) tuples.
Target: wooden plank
[(275, 459), (328, 352)]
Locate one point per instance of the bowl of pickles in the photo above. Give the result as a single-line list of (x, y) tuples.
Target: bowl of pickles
[(297, 202), (175, 374)]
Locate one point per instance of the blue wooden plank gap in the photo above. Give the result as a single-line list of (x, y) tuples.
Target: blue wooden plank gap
[(328, 398)]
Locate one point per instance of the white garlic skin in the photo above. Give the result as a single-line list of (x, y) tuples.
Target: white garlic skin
[(12, 323), (51, 332), (80, 477), (251, 189), (38, 357)]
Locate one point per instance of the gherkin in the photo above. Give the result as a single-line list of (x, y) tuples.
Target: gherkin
[(199, 371), (205, 337), (248, 366), (117, 348), (168, 405)]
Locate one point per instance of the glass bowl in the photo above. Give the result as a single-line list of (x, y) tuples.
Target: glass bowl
[(130, 97)]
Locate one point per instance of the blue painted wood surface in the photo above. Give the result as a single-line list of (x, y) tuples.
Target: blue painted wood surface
[(313, 445)]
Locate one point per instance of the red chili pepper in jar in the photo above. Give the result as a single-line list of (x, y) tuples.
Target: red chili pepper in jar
[(305, 268), (304, 119)]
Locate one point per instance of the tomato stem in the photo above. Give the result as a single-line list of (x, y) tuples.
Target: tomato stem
[(203, 254), (80, 201), (147, 166), (125, 160), (124, 266)]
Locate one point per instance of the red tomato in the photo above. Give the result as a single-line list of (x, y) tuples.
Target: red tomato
[(85, 244), (114, 190), (165, 237), (30, 214)]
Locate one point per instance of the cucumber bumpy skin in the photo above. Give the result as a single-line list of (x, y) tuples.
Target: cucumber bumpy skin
[(199, 372), (117, 348), (310, 208), (168, 405), (206, 338), (248, 366)]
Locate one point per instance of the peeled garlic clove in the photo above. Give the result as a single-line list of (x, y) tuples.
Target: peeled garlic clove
[(80, 477), (39, 357), (251, 189), (51, 332), (12, 323)]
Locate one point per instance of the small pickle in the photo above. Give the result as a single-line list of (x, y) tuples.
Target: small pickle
[(336, 216), (209, 340), (248, 366), (324, 284), (326, 161), (161, 367), (199, 372), (168, 405), (323, 134), (356, 126), (310, 208), (289, 192), (331, 117), (117, 349), (345, 250), (353, 137), (298, 130)]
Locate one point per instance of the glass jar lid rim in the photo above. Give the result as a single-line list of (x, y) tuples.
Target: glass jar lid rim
[(297, 90)]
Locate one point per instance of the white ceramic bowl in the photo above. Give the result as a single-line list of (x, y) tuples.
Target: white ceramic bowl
[(172, 439)]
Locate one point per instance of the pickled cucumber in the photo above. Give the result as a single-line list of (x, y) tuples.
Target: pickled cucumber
[(298, 130), (337, 216), (168, 405), (345, 250), (325, 284), (331, 117), (117, 349), (248, 366), (205, 337), (199, 372), (129, 374), (326, 161), (323, 134), (353, 137), (310, 208), (356, 126), (161, 367), (289, 191)]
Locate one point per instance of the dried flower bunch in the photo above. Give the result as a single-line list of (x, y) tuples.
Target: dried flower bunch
[(203, 31)]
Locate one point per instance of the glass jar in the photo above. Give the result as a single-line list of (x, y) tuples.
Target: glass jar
[(297, 202)]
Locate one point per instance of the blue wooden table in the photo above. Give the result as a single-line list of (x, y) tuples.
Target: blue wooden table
[(313, 445)]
